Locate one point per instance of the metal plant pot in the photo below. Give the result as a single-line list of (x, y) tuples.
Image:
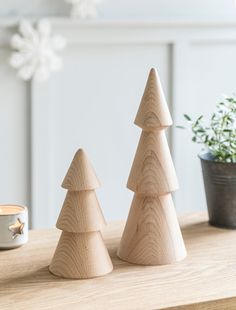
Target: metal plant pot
[(220, 188)]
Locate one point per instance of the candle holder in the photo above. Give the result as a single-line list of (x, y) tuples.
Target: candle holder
[(13, 226)]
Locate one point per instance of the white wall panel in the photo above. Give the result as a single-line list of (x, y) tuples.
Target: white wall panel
[(14, 135), (207, 72), (93, 103), (131, 9)]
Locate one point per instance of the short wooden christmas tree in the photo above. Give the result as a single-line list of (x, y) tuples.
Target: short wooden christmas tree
[(152, 235), (81, 252)]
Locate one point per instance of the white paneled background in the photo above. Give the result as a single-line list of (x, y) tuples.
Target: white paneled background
[(92, 102)]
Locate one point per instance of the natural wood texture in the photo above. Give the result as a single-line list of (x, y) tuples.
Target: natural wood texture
[(152, 172), (219, 304), (77, 253), (81, 213), (152, 235), (205, 280), (81, 175), (153, 111), (80, 252)]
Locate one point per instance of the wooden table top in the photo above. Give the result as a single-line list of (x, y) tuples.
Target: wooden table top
[(206, 279)]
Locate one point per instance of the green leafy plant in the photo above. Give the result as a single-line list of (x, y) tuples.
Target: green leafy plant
[(219, 137)]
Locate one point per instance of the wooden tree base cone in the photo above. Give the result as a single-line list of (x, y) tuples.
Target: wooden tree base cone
[(81, 256), (152, 234)]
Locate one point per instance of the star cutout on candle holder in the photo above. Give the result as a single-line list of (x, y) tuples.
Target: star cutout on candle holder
[(17, 229)]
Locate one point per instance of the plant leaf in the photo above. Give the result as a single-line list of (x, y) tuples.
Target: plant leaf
[(187, 117)]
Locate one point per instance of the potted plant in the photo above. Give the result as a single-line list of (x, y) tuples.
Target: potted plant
[(219, 161)]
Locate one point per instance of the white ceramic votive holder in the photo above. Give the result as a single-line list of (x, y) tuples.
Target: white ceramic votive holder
[(13, 226)]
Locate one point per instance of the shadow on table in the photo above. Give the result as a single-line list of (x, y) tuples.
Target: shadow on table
[(192, 233), (44, 279), (40, 276), (197, 233)]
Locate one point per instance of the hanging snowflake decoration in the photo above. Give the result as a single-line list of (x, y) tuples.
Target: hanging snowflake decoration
[(35, 51), (84, 8)]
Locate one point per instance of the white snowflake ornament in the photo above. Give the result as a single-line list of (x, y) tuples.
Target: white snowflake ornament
[(35, 51), (84, 8)]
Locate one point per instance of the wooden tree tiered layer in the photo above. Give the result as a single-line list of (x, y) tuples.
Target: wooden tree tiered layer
[(81, 252), (152, 235)]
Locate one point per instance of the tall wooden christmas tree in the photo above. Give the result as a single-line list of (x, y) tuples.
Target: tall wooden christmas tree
[(152, 235), (81, 252)]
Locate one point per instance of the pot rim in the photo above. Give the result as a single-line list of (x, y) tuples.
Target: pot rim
[(207, 157)]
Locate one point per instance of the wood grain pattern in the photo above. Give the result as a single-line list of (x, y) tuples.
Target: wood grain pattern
[(152, 235), (81, 253), (219, 304), (153, 111), (152, 172), (81, 212), (81, 256), (205, 280), (81, 175)]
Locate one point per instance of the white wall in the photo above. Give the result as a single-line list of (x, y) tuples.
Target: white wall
[(14, 135), (93, 101), (131, 9)]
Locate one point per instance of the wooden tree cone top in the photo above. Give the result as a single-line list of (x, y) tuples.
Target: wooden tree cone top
[(81, 256), (81, 175), (152, 235), (153, 111), (152, 172), (81, 213)]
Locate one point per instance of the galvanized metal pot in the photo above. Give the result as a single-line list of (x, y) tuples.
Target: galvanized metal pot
[(220, 188)]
